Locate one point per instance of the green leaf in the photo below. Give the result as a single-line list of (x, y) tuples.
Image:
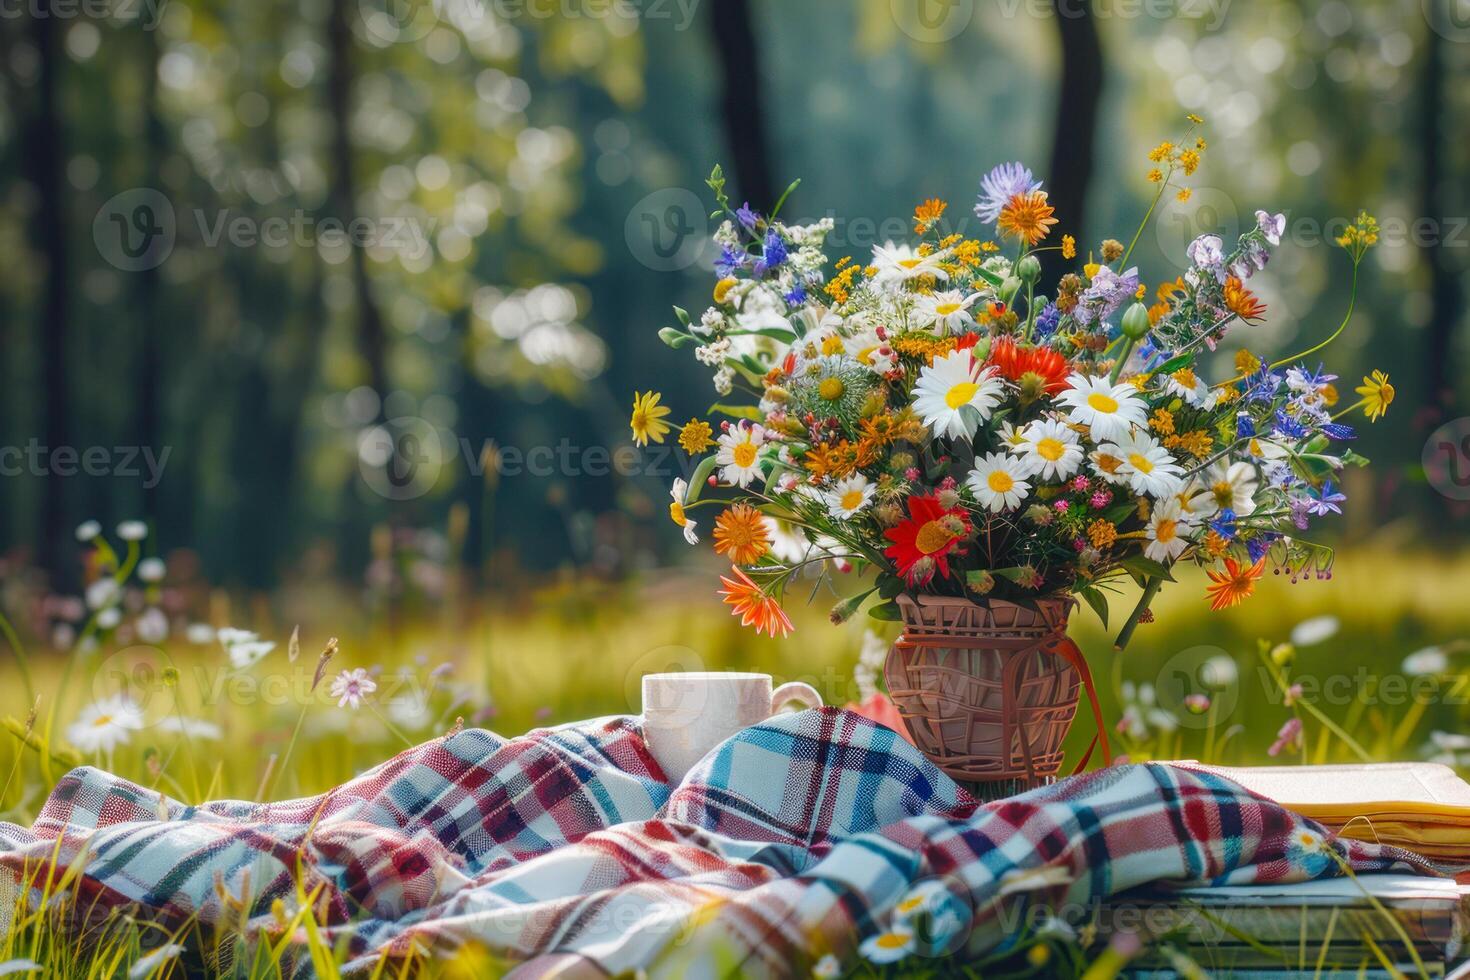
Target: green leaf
[(682, 314), (737, 411), (1097, 601), (782, 199), (989, 277), (1175, 363), (890, 586), (698, 477), (885, 611), (1147, 567)]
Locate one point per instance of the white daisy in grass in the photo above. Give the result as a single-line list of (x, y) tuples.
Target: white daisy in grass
[(350, 687), (1109, 411), (1166, 532), (680, 492), (828, 967), (1050, 448), (1233, 486), (948, 311), (1147, 466), (849, 495), (954, 382), (739, 454), (888, 947), (898, 264), (999, 482), (105, 724)]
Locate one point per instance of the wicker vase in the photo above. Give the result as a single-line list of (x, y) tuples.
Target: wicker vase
[(987, 690)]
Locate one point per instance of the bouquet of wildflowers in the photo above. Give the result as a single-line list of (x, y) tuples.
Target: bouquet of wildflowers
[(928, 414)]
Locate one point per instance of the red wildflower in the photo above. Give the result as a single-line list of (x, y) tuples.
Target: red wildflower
[(1015, 363), (923, 543)]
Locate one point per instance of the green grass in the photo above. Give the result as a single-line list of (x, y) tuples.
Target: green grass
[(577, 649)]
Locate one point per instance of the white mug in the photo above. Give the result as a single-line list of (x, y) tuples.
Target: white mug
[(687, 714)]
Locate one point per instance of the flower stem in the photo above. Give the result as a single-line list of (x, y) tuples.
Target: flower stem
[(20, 657), (1122, 359), (1150, 590)]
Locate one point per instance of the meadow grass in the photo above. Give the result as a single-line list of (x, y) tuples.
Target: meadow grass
[(577, 648)]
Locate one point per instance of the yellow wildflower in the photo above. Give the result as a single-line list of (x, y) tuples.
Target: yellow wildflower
[(1102, 533), (647, 421), (722, 289), (1377, 395), (1069, 247), (696, 436)]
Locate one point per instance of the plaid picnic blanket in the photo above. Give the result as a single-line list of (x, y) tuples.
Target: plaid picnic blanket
[(567, 849)]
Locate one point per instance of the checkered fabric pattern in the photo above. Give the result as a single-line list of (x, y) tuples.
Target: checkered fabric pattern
[(566, 848)]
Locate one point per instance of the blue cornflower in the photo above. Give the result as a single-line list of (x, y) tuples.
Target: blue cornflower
[(774, 249), (1245, 426), (1338, 431), (796, 297), (1263, 385), (1288, 427), (1047, 320), (1258, 546), (730, 260), (1224, 524), (1000, 185), (747, 217), (1326, 501)]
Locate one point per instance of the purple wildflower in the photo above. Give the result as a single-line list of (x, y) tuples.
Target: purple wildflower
[(1000, 185)]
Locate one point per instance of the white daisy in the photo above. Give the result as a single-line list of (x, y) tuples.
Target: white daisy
[(951, 383), (1233, 486), (948, 311), (898, 264), (789, 543), (1147, 466), (1109, 411), (1050, 448), (849, 495), (152, 569), (1010, 436), (105, 724), (828, 967), (1192, 388), (88, 530), (888, 947), (739, 455), (999, 482), (1166, 529), (680, 492), (132, 530), (1196, 503), (351, 686), (192, 727)]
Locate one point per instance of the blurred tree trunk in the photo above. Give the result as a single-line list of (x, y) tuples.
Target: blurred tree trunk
[(741, 106), (1074, 135), (1444, 287), (372, 341), (46, 154), (148, 311)]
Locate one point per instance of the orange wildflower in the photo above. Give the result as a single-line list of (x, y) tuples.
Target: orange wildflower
[(740, 532), (927, 214), (1233, 584), (748, 601), (1027, 217), (1241, 301)]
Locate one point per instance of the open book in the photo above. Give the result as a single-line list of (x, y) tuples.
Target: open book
[(1421, 806)]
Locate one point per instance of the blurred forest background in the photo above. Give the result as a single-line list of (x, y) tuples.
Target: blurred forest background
[(523, 179)]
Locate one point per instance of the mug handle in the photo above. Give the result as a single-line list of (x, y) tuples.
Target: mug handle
[(795, 691)]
